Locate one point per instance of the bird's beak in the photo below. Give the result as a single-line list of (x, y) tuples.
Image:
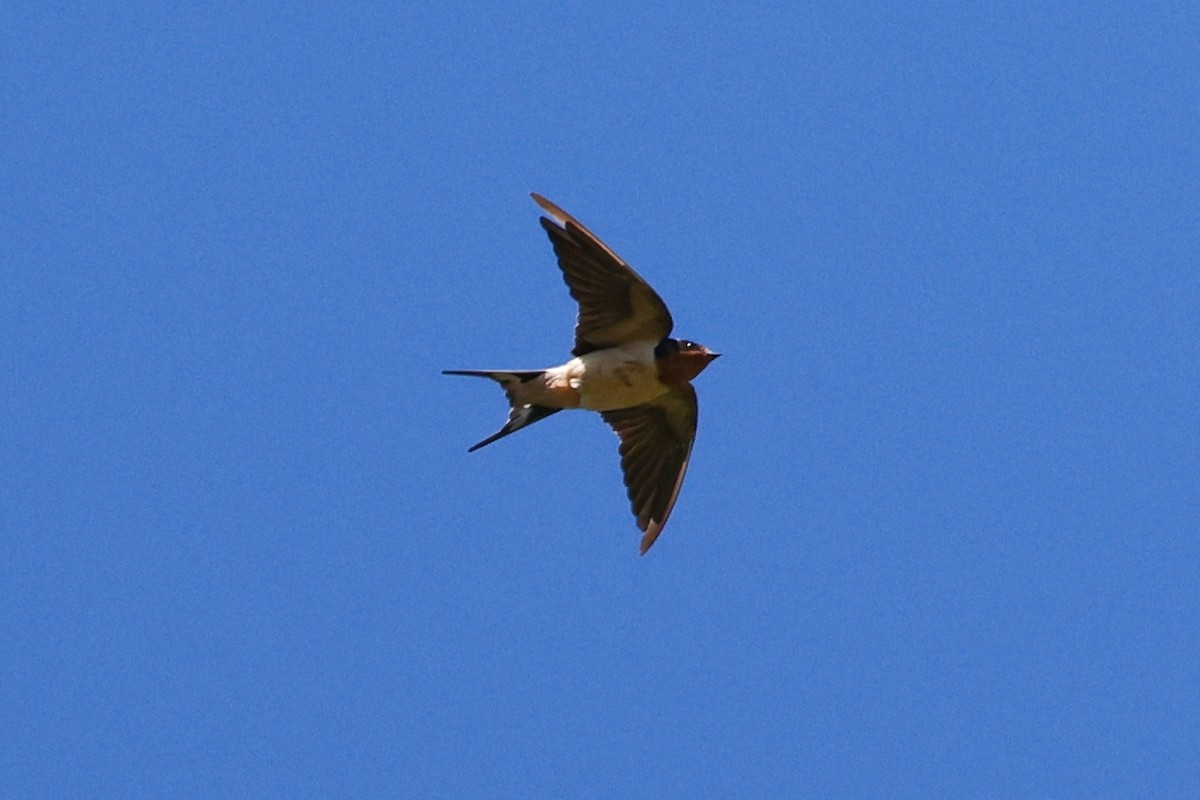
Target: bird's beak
[(712, 356)]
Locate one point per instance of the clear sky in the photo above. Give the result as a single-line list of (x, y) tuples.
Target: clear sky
[(939, 535)]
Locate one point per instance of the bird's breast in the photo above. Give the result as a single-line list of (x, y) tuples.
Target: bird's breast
[(616, 377)]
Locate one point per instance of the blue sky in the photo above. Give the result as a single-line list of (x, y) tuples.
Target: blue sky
[(939, 535)]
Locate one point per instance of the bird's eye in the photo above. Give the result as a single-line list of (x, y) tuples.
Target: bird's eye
[(688, 345)]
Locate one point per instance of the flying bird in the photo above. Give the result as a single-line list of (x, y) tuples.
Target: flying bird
[(625, 366)]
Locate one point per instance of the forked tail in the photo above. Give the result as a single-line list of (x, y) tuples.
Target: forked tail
[(519, 414)]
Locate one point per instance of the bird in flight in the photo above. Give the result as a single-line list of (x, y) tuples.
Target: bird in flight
[(625, 366)]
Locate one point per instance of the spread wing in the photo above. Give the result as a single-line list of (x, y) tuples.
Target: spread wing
[(656, 443), (616, 305)]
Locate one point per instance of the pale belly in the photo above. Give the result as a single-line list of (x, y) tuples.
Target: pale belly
[(618, 377)]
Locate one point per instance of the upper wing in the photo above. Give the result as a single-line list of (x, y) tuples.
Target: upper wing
[(656, 443), (616, 305)]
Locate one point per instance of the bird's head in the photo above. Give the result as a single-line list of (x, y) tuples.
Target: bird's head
[(680, 360)]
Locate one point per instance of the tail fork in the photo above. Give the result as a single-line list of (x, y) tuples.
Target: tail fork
[(520, 414)]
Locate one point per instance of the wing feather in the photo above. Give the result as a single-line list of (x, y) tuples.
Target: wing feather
[(656, 446), (616, 305)]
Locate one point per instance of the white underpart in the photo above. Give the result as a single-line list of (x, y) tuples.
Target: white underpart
[(617, 377)]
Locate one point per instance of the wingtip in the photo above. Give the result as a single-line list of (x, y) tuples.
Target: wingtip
[(549, 207), (649, 537)]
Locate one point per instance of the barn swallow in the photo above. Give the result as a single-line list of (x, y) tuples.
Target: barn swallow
[(625, 366)]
